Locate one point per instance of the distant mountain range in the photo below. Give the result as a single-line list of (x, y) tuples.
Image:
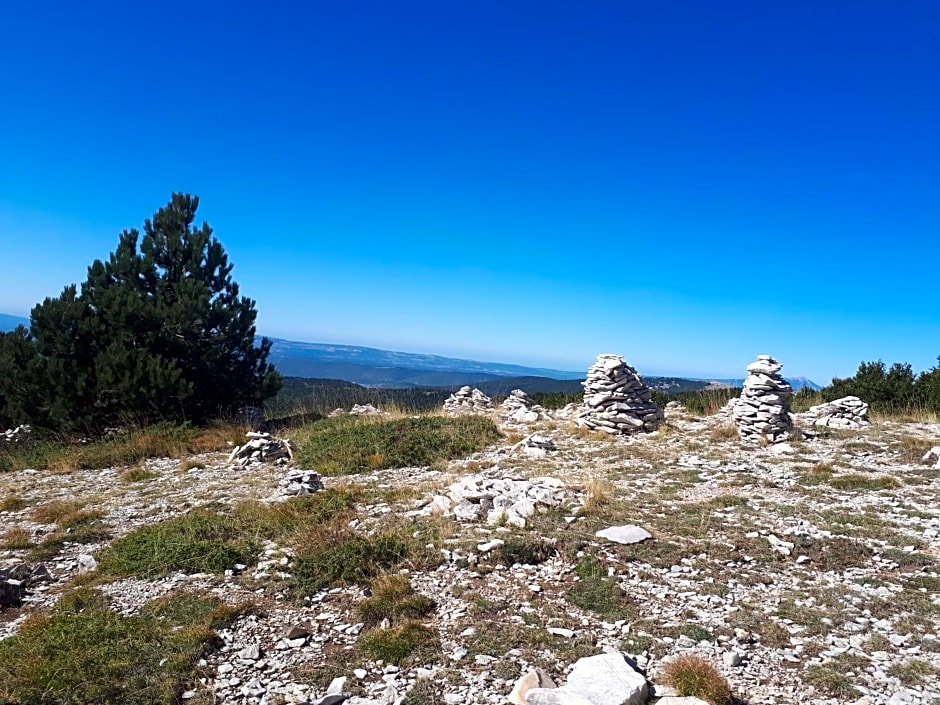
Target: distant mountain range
[(387, 369), (8, 322)]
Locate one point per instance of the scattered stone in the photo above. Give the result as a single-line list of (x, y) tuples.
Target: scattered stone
[(625, 534), (536, 445), (847, 412), (476, 497), (616, 400), (467, 401), (261, 448), (16, 581), (762, 412)]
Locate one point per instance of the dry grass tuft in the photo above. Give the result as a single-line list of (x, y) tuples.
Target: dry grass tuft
[(694, 676)]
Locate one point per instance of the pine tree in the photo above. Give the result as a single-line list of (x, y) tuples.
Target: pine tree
[(158, 332)]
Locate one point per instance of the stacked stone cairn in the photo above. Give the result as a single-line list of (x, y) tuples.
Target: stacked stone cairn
[(847, 412), (762, 412), (467, 401), (520, 408), (616, 400), (262, 448)]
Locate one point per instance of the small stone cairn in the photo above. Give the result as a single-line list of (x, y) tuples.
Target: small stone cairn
[(762, 412), (616, 400), (262, 448), (467, 401), (299, 482), (847, 412), (520, 408)]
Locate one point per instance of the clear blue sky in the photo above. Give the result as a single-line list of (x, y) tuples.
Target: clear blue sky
[(687, 183)]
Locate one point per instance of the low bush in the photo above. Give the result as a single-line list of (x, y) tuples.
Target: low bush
[(350, 444)]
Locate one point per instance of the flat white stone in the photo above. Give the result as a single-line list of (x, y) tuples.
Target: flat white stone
[(627, 534)]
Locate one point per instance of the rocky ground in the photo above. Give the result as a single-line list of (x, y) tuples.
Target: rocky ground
[(805, 571)]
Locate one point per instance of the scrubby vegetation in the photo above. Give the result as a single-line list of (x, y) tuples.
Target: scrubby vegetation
[(84, 652), (163, 440)]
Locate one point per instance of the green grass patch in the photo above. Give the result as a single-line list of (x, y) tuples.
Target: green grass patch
[(913, 672), (857, 482), (598, 592), (84, 653), (350, 444), (411, 640), (213, 539), (393, 598), (334, 554)]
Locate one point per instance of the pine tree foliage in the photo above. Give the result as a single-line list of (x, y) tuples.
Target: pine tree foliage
[(159, 331)]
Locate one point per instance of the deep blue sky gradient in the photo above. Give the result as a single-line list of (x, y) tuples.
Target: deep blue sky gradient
[(684, 183)]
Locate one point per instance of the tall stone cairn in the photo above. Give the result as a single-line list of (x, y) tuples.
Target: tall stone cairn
[(762, 412), (616, 400)]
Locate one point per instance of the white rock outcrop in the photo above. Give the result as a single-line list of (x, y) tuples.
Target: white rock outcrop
[(616, 400), (847, 412), (605, 679), (467, 400), (762, 412)]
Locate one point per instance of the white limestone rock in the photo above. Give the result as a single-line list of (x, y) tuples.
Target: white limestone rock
[(605, 679), (536, 678), (626, 534)]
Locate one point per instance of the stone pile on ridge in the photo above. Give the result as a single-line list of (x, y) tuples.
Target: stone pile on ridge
[(262, 448), (847, 412), (16, 435), (467, 401), (519, 407), (616, 400), (762, 412)]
